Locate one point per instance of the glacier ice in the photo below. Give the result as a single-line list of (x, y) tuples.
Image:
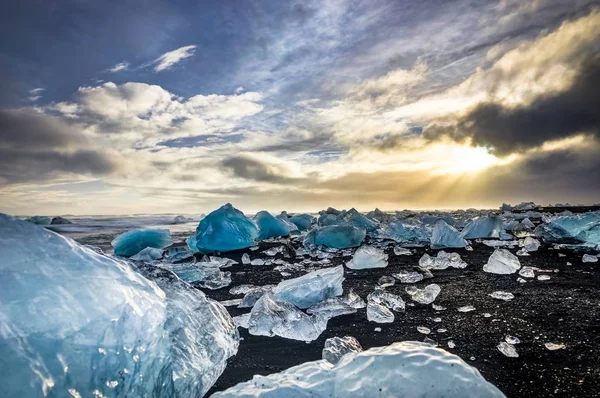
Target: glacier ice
[(446, 236), (336, 347), (401, 251), (404, 369), (175, 254), (443, 260), (386, 281), (39, 220), (426, 295), (269, 226), (253, 294), (204, 274), (331, 307), (335, 236), (59, 221), (223, 230), (408, 276), (75, 322), (270, 317), (389, 300), (405, 233), (508, 349), (368, 257), (530, 244), (302, 221), (572, 229), (485, 227), (500, 295), (148, 254), (502, 262), (311, 288), (132, 242), (379, 313), (588, 258)]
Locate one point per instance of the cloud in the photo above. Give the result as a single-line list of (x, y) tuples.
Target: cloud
[(119, 67), (168, 59), (35, 94), (247, 167)]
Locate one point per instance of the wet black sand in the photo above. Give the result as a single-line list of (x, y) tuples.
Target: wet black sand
[(565, 309)]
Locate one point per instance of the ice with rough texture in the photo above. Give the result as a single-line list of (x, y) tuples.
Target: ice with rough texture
[(466, 308), (311, 288), (500, 295), (391, 301), (508, 349), (379, 313), (223, 230), (336, 347), (573, 229), (443, 260), (486, 227), (132, 242), (332, 307), (148, 254), (335, 236), (39, 220), (445, 236), (269, 226), (303, 221), (426, 295), (405, 233), (401, 251), (588, 258), (174, 254), (502, 262), (408, 276), (527, 272), (554, 346), (531, 244), (270, 317), (368, 257), (253, 294), (386, 281), (246, 259), (405, 369), (204, 274), (73, 320)]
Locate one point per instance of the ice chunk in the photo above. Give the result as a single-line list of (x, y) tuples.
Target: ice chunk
[(368, 257), (174, 254), (269, 226), (502, 262), (336, 347), (426, 295), (575, 229), (522, 231), (246, 259), (466, 308), (405, 369), (401, 251), (252, 295), (442, 261), (508, 349), (391, 301), (241, 289), (423, 330), (223, 230), (206, 275), (527, 222), (500, 295), (379, 313), (311, 288), (530, 244), (486, 227), (73, 319), (132, 242), (386, 281), (405, 233), (181, 219), (354, 300), (527, 272), (39, 220), (554, 346), (512, 340), (446, 236), (303, 221), (241, 321), (408, 276), (270, 317), (543, 278), (148, 254), (588, 258), (332, 307), (59, 221), (336, 236), (257, 261), (522, 252)]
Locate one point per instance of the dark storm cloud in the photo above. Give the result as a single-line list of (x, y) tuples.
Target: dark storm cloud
[(549, 117), (252, 169), (35, 147)]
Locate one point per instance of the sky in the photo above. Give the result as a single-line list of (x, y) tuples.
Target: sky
[(121, 107)]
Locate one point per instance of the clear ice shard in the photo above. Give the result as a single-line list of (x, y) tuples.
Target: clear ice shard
[(500, 295), (405, 233), (246, 259), (336, 347), (332, 307), (588, 258), (426, 295), (508, 349), (270, 317), (223, 230), (445, 236), (572, 229), (466, 308), (148, 254), (269, 226), (73, 319), (404, 369), (368, 257), (502, 262), (204, 274), (527, 272), (401, 251), (379, 313), (335, 236), (408, 276), (554, 346), (132, 242), (443, 260), (253, 294), (389, 300), (386, 281), (303, 221), (531, 244), (311, 288), (486, 227)]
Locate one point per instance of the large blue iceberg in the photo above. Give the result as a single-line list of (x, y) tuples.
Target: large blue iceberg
[(486, 227), (405, 233), (351, 218), (335, 236), (445, 236), (77, 323), (302, 221), (39, 220), (581, 229), (269, 226), (406, 369), (223, 230), (132, 242)]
